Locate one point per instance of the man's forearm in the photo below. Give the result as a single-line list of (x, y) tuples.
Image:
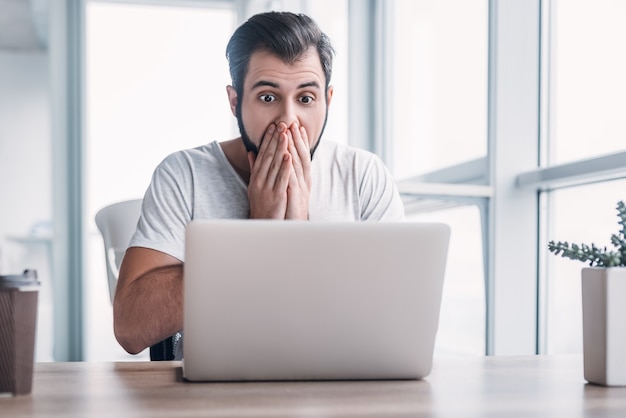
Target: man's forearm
[(150, 308)]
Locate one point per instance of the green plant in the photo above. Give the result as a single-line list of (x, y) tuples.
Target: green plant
[(595, 256)]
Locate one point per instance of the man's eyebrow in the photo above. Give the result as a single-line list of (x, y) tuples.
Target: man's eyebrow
[(309, 84), (265, 83)]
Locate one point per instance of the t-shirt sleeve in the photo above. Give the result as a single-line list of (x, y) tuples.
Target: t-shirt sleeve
[(380, 199), (166, 208)]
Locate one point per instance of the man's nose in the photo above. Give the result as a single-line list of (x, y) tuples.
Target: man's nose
[(288, 113)]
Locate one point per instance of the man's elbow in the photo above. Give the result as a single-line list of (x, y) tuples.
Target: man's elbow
[(127, 338), (125, 328)]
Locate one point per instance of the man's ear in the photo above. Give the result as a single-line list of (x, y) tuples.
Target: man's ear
[(329, 95), (232, 99)]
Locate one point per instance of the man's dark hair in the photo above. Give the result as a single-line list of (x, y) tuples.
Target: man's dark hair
[(284, 34)]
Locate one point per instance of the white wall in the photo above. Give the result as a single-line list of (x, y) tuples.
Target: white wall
[(25, 178), (25, 142)]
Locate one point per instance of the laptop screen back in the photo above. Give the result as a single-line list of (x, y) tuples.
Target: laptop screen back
[(268, 300)]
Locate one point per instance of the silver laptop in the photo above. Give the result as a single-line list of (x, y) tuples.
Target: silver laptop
[(271, 300)]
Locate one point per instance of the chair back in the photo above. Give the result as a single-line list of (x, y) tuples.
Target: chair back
[(117, 224)]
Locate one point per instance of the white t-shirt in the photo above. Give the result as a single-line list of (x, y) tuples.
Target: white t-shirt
[(348, 184)]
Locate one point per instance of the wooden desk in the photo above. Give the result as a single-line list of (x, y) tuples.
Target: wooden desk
[(458, 387)]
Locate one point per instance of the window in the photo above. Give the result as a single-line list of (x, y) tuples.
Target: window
[(155, 84), (584, 119), (462, 314), (438, 78), (587, 79), (436, 121)]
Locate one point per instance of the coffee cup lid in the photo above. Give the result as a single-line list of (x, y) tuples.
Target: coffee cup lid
[(28, 278)]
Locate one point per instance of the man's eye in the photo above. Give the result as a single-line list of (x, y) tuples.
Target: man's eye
[(267, 98), (307, 99)]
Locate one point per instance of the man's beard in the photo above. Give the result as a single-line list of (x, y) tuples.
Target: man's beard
[(251, 147)]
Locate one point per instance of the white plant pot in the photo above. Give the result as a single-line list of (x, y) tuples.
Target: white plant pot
[(604, 325)]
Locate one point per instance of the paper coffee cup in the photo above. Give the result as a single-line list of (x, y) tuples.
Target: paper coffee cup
[(18, 320)]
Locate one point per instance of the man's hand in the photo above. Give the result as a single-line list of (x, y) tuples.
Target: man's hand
[(280, 180), (269, 175), (299, 188)]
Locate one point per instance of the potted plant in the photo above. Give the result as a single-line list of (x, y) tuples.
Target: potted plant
[(604, 305)]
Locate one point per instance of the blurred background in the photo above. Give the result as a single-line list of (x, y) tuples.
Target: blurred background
[(502, 118)]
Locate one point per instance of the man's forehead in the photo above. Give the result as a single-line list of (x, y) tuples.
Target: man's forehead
[(266, 67)]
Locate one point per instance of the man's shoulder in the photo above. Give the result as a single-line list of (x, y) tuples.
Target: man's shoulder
[(193, 156), (339, 150), (337, 153), (209, 149)]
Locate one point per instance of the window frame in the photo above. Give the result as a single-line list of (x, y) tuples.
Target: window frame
[(511, 287)]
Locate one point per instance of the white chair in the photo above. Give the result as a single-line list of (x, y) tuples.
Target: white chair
[(117, 223)]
